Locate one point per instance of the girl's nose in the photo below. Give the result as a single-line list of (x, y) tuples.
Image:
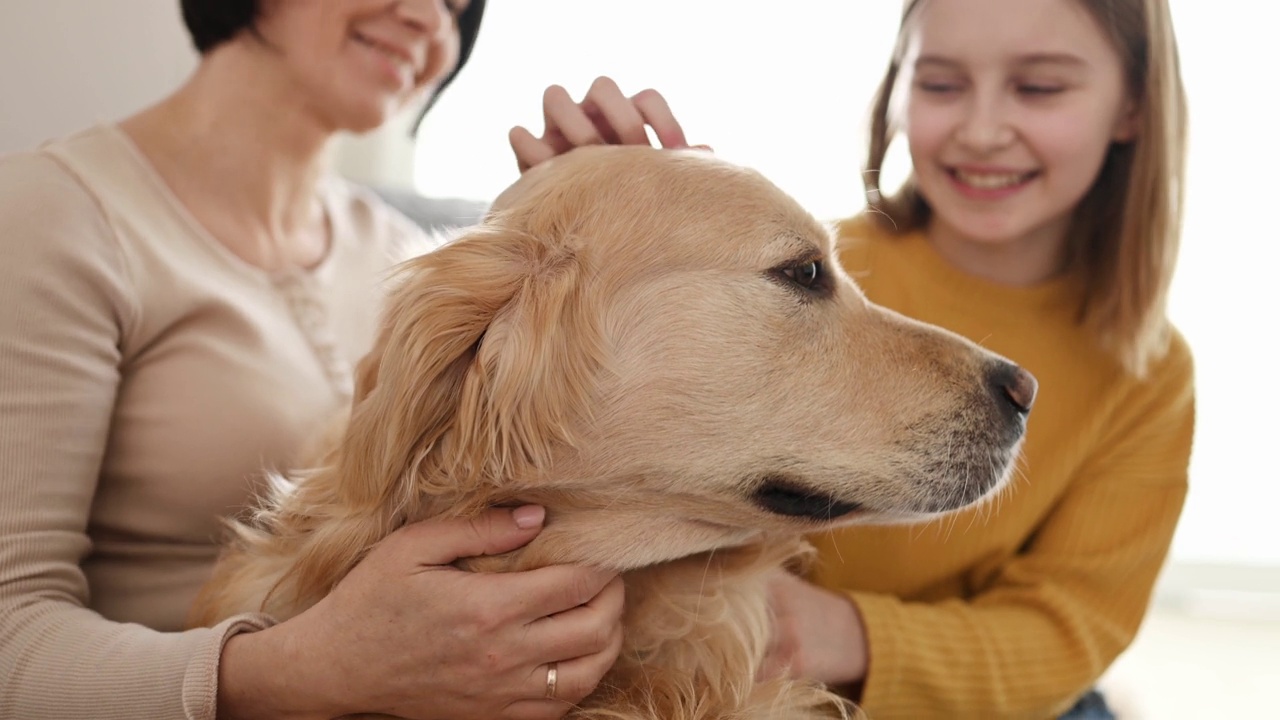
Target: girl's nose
[(986, 124)]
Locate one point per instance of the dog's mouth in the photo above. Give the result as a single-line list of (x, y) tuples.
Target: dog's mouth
[(782, 495)]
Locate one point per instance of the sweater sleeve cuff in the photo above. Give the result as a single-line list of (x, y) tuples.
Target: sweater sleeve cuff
[(200, 684), (881, 620)]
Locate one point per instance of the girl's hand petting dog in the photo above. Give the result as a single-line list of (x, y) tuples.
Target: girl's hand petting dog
[(817, 634), (604, 117), (408, 634)]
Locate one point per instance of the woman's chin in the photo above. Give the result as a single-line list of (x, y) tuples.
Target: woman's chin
[(365, 120), (365, 115)]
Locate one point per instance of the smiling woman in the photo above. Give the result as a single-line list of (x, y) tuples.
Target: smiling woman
[(183, 296), (424, 44)]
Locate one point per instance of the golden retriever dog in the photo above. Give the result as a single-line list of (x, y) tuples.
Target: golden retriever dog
[(659, 348)]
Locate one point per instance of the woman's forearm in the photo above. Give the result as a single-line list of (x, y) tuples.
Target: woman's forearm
[(264, 675)]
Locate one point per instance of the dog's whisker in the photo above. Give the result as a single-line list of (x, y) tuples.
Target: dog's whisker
[(706, 569), (830, 533)]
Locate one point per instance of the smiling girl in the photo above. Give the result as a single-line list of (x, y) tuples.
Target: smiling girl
[(1041, 219)]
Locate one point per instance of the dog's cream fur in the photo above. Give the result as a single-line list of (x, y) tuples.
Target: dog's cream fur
[(628, 340)]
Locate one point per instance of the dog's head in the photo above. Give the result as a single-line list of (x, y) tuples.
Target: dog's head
[(660, 348)]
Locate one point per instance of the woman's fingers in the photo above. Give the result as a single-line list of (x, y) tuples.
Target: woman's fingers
[(575, 678), (440, 542), (536, 594), (583, 630)]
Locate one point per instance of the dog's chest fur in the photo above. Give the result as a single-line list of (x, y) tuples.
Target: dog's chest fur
[(696, 633)]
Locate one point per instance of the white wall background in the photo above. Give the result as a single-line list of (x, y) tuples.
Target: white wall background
[(67, 63), (782, 87)]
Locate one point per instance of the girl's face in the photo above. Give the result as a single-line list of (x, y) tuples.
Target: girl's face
[(1012, 107), (357, 62)]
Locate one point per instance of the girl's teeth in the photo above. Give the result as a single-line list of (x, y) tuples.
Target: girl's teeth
[(991, 181)]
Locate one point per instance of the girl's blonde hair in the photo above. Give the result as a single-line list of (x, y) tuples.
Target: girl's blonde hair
[(1124, 234)]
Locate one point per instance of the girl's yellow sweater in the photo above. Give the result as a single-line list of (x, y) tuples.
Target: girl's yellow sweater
[(1014, 608)]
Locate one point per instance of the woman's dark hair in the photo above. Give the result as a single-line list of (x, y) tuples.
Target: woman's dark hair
[(213, 22)]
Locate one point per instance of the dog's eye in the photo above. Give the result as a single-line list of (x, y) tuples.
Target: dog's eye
[(806, 275), (807, 279)]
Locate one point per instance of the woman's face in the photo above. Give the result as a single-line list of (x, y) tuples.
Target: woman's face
[(357, 62)]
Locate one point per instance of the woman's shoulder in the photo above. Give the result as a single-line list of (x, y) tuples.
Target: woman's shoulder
[(43, 190), (55, 236), (73, 173), (101, 143), (38, 174)]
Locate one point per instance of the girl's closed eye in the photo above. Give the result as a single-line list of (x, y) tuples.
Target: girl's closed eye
[(939, 86), (1040, 88)]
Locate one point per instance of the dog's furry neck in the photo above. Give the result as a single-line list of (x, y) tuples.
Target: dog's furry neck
[(589, 530), (697, 624), (695, 634)]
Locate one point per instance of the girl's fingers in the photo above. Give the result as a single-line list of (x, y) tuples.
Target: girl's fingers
[(657, 115)]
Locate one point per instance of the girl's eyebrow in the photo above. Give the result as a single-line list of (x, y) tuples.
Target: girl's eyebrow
[(1029, 59), (1051, 59), (925, 60)]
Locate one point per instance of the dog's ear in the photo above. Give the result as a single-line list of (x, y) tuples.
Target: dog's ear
[(486, 359)]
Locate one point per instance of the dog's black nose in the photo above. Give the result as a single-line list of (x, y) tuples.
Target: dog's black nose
[(1013, 387)]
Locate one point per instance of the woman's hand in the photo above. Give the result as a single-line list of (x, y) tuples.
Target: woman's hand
[(818, 634), (407, 634), (604, 117)]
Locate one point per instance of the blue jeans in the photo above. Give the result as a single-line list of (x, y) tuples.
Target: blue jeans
[(1091, 706)]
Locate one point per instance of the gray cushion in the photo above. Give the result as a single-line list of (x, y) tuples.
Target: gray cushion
[(434, 214)]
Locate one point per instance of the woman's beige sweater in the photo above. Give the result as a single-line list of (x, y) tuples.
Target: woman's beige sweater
[(147, 377)]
